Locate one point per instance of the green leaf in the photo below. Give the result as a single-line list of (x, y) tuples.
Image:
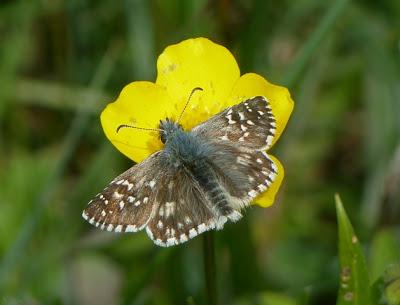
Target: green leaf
[(386, 289), (384, 251), (354, 282), (392, 281)]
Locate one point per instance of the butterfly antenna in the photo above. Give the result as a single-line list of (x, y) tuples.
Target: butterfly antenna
[(190, 96), (134, 127)]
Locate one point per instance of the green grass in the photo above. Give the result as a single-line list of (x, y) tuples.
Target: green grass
[(61, 62)]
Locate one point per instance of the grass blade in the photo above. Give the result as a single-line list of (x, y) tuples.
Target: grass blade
[(354, 283), (78, 126), (308, 49)]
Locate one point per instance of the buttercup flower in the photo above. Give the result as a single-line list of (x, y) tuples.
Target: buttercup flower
[(182, 67)]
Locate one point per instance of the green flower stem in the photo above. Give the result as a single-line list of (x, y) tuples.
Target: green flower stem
[(210, 268)]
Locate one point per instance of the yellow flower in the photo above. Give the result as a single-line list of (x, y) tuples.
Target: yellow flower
[(181, 67)]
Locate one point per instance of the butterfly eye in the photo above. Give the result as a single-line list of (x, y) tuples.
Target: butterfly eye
[(163, 136)]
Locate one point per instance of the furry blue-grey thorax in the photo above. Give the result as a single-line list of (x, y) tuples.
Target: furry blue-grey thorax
[(181, 147)]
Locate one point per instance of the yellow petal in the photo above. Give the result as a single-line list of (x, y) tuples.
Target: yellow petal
[(140, 104), (268, 197), (197, 63), (251, 84)]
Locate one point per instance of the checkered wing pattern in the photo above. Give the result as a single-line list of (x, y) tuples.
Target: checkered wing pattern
[(127, 203), (243, 174), (239, 136), (165, 200), (184, 210), (249, 124)]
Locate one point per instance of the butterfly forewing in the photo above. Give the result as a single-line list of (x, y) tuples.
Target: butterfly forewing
[(250, 124), (127, 203), (239, 135)]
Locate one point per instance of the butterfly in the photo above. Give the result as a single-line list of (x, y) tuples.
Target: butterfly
[(200, 180)]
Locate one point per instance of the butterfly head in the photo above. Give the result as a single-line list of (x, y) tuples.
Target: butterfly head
[(167, 129)]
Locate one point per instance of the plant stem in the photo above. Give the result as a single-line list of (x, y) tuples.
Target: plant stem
[(210, 268)]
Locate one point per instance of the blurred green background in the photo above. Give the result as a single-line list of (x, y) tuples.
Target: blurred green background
[(61, 62)]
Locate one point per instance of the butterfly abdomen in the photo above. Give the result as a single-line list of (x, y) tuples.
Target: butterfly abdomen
[(207, 180)]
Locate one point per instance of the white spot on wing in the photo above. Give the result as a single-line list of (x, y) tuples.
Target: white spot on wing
[(150, 234), (262, 187), (169, 208), (117, 195), (192, 233), (252, 193), (171, 241), (129, 185), (230, 121), (234, 216), (269, 140), (201, 228), (183, 238), (221, 221), (130, 228)]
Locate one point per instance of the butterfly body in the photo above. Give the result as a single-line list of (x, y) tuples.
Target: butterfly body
[(188, 152), (182, 148), (200, 180)]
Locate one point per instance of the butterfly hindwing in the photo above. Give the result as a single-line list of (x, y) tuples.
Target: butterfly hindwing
[(184, 210), (127, 203), (167, 200), (250, 124), (243, 174)]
